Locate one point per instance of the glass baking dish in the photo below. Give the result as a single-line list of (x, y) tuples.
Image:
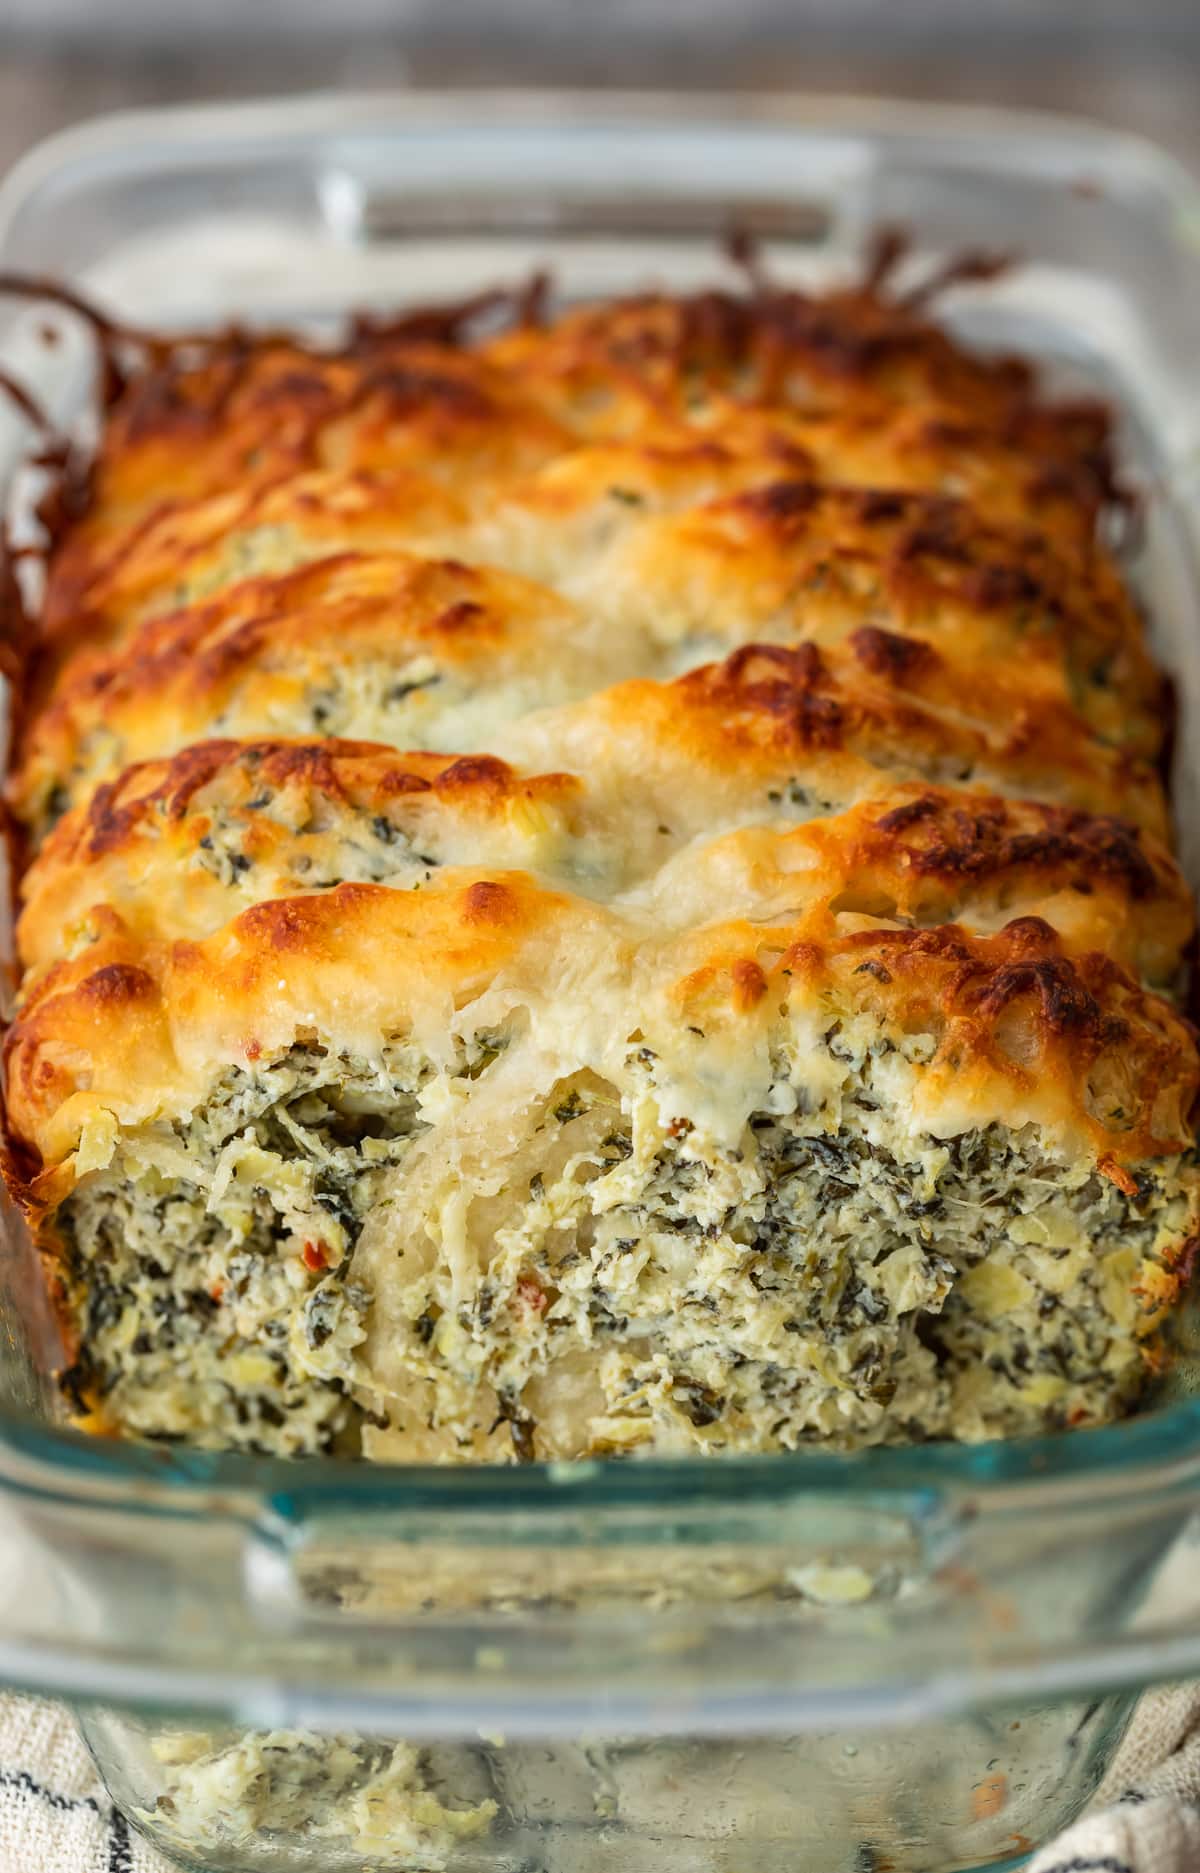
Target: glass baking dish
[(913, 1659)]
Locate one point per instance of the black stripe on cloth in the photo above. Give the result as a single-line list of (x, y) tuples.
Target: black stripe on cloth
[(21, 1778), (120, 1853), (1090, 1863)]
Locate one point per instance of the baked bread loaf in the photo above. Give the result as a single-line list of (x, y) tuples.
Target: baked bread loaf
[(602, 887)]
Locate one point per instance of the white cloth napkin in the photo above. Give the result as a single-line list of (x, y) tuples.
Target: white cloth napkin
[(1146, 1815), (55, 1816)]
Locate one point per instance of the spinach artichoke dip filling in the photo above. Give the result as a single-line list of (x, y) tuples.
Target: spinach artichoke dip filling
[(636, 1288), (213, 1259), (599, 888)]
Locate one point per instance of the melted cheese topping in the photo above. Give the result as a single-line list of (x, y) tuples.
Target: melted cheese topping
[(746, 1018)]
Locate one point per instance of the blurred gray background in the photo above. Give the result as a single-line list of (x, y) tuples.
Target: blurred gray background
[(1135, 63)]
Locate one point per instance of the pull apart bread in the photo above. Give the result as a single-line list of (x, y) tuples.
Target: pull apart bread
[(598, 888)]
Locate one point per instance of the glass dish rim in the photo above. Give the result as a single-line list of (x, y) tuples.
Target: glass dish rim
[(1154, 1449), (541, 110), (47, 1459)]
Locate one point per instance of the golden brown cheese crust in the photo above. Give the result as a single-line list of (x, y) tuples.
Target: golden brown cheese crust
[(249, 413), (783, 563), (1008, 1011), (811, 562), (130, 1029), (784, 784), (112, 572), (178, 847), (847, 389), (108, 578), (286, 654), (603, 366), (629, 366), (833, 722)]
